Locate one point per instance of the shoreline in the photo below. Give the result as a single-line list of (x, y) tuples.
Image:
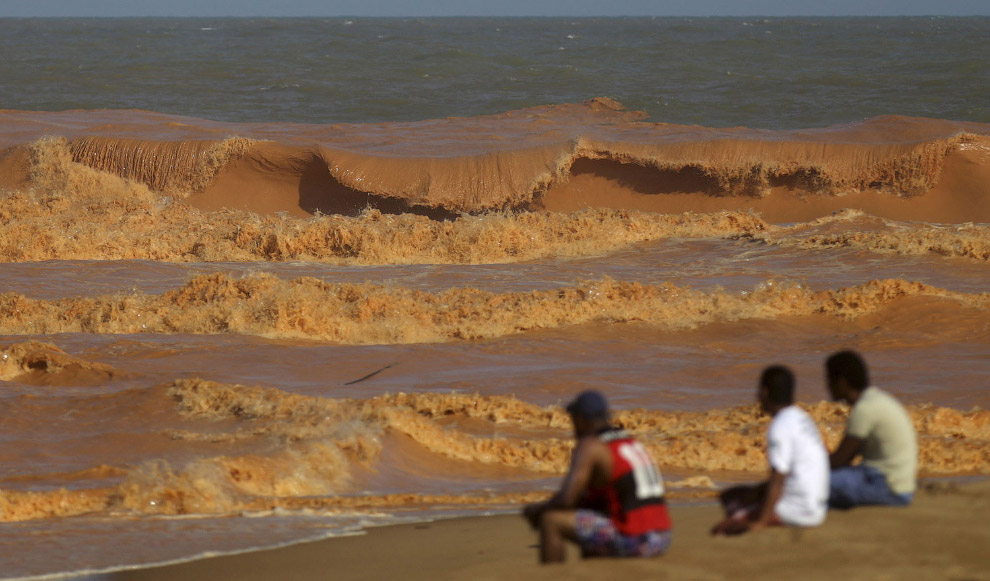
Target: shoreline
[(942, 535)]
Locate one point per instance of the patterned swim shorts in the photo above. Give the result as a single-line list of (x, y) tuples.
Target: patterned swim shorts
[(598, 537)]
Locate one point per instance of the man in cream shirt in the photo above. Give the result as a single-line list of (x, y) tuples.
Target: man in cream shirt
[(880, 431)]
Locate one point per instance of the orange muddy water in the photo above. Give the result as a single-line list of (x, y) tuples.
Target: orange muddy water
[(345, 323)]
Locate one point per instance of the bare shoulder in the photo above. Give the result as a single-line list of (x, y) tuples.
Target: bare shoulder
[(594, 450), (590, 443)]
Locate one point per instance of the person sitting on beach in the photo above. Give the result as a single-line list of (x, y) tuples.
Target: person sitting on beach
[(797, 490), (611, 502), (880, 430)]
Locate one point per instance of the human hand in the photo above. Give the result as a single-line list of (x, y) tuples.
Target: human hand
[(731, 526)]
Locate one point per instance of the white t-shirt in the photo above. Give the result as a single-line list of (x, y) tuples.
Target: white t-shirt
[(795, 448)]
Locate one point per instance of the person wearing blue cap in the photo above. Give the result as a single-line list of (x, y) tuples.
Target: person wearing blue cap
[(611, 502)]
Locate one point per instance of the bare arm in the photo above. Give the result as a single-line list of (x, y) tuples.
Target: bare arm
[(848, 450), (775, 487), (587, 456)]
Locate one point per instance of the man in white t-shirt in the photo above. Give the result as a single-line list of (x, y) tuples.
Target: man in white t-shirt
[(880, 430), (797, 490)]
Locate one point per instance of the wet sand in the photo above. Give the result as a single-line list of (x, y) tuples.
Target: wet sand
[(943, 535)]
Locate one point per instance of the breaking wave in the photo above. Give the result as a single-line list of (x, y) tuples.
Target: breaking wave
[(560, 158), (318, 447), (37, 363), (367, 313), (107, 198)]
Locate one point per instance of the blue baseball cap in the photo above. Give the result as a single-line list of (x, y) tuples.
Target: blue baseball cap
[(589, 404)]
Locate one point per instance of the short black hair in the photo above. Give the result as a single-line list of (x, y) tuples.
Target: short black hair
[(850, 366), (779, 383)]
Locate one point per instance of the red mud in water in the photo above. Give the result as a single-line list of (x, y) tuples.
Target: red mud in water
[(560, 158), (265, 448), (124, 402)]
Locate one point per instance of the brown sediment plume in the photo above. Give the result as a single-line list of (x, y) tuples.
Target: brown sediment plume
[(203, 497), (958, 241), (951, 441), (29, 505), (313, 445), (316, 442), (727, 172), (562, 158), (169, 167), (302, 417), (944, 182), (735, 163), (15, 168), (72, 211), (37, 363), (75, 212), (221, 484), (53, 174), (367, 313)]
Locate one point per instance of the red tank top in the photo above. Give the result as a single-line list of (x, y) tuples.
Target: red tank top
[(634, 496)]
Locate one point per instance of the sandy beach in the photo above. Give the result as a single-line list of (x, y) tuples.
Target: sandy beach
[(942, 535)]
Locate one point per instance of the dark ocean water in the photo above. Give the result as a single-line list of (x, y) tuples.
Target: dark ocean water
[(768, 73)]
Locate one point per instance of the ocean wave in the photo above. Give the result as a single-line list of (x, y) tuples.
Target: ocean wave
[(971, 241), (555, 157), (265, 305), (72, 211), (38, 363), (317, 446), (171, 168), (80, 213)]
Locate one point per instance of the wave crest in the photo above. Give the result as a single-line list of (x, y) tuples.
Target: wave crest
[(319, 442), (169, 167), (367, 313), (38, 363), (560, 158)]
